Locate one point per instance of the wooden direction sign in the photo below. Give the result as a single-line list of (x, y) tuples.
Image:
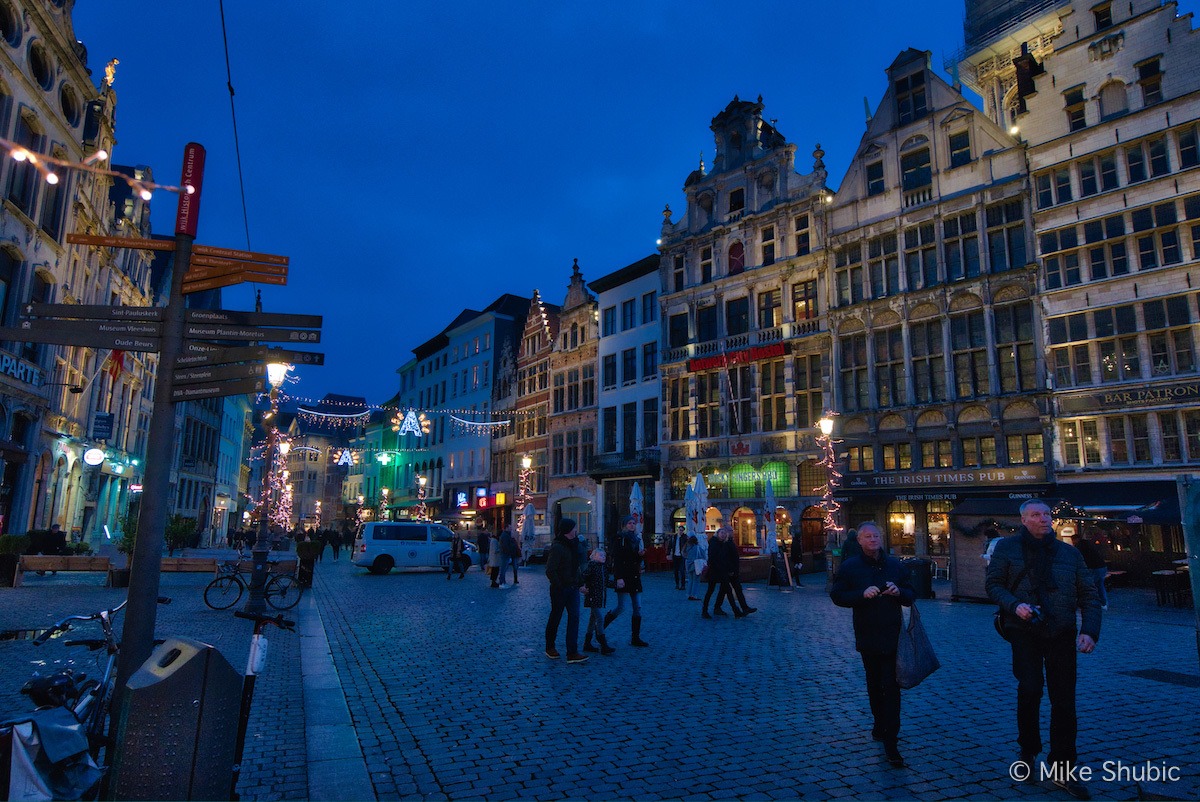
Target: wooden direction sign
[(233, 317), (202, 285), (196, 392), (245, 256), (221, 332), (195, 273), (200, 353), (86, 327), (92, 339), (122, 242), (88, 312), (200, 375), (200, 263)]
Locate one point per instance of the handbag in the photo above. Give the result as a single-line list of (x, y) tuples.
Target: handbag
[(915, 658)]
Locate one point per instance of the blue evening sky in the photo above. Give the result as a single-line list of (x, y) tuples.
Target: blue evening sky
[(416, 158)]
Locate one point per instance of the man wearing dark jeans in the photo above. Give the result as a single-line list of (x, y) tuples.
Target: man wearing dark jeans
[(875, 586), (1039, 583), (564, 569), (677, 551)]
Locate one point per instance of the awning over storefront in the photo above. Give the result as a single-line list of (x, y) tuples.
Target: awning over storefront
[(1115, 498), (1164, 512)]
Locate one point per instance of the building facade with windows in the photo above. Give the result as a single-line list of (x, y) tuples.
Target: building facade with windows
[(572, 420), (629, 399), (743, 334), (531, 410), (1108, 106), (937, 371)]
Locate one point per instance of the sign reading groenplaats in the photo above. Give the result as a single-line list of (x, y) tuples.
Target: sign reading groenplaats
[(738, 357), (974, 477)]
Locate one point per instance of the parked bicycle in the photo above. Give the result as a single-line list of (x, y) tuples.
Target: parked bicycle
[(282, 591), (75, 709), (254, 665)]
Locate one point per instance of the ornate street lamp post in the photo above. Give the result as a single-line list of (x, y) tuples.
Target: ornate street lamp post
[(383, 503), (422, 513), (256, 603)]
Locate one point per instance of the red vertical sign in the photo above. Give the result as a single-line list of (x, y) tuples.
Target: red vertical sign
[(189, 202)]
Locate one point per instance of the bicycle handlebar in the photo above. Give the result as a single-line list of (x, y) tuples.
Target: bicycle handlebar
[(65, 624), (258, 618)]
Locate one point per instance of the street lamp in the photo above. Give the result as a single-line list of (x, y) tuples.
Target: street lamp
[(522, 494), (421, 511), (256, 603), (833, 478), (359, 514), (383, 502)]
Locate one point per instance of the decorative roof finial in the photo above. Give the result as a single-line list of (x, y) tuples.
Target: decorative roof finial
[(110, 72), (702, 161), (818, 158), (575, 269)]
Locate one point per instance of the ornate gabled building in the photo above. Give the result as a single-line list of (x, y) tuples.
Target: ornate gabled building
[(532, 408), (572, 418), (744, 340), (1108, 107), (937, 370)]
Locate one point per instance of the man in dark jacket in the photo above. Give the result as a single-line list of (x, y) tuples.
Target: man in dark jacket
[(1039, 582), (627, 569), (875, 586), (483, 542), (564, 569), (677, 551)]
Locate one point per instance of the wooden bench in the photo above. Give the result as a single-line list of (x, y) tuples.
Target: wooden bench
[(174, 565), (49, 562), (280, 567)]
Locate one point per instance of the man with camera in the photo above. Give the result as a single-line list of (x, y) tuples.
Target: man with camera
[(1039, 583)]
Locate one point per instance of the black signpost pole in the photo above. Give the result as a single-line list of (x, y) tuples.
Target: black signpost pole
[(137, 639)]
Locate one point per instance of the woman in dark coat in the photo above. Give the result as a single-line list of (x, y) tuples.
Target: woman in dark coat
[(722, 565)]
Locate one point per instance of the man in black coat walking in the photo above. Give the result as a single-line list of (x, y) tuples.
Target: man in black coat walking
[(875, 585)]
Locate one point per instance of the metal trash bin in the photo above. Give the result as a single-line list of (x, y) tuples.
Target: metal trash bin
[(177, 725), (921, 575)]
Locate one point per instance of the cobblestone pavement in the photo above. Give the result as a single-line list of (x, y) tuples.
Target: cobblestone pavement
[(453, 698), (274, 766)]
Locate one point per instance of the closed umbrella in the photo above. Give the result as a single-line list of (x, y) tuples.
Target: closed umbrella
[(700, 491), (527, 536), (635, 512), (772, 544)]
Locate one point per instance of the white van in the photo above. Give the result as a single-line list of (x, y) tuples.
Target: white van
[(384, 545)]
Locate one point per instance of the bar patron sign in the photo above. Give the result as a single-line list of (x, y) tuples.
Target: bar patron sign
[(967, 477), (743, 357), (1137, 396)]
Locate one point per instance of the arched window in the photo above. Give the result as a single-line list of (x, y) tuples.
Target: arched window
[(737, 258), (937, 524), (812, 530), (745, 527), (1114, 99), (23, 178)]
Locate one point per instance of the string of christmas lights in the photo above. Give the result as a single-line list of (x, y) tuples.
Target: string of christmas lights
[(478, 427), (360, 408), (833, 480), (49, 167)]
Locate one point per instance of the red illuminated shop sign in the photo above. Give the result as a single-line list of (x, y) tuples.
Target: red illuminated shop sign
[(739, 357)]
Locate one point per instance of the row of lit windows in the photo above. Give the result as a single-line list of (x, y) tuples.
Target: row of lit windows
[(962, 452), (745, 399), (771, 244), (737, 315), (1168, 436)]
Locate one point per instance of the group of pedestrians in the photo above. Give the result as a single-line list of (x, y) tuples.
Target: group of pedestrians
[(1051, 612), (496, 554), (573, 573)]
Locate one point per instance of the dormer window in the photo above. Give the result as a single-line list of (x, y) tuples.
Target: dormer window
[(1150, 79), (737, 200), (915, 170), (1103, 16), (1074, 106), (875, 185), (910, 97)]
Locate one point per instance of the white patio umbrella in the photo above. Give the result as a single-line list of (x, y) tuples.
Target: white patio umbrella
[(772, 544), (635, 511), (700, 493)]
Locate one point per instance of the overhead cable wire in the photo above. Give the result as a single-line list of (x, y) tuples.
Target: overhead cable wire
[(233, 114)]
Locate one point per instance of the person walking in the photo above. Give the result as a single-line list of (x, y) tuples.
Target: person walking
[(510, 554), (595, 589), (459, 561), (483, 541), (495, 563), (335, 543), (735, 580), (692, 554), (677, 551), (1039, 583), (722, 559), (564, 569), (627, 568), (875, 585)]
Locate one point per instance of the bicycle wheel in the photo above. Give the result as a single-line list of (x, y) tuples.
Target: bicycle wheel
[(283, 592), (223, 592)]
